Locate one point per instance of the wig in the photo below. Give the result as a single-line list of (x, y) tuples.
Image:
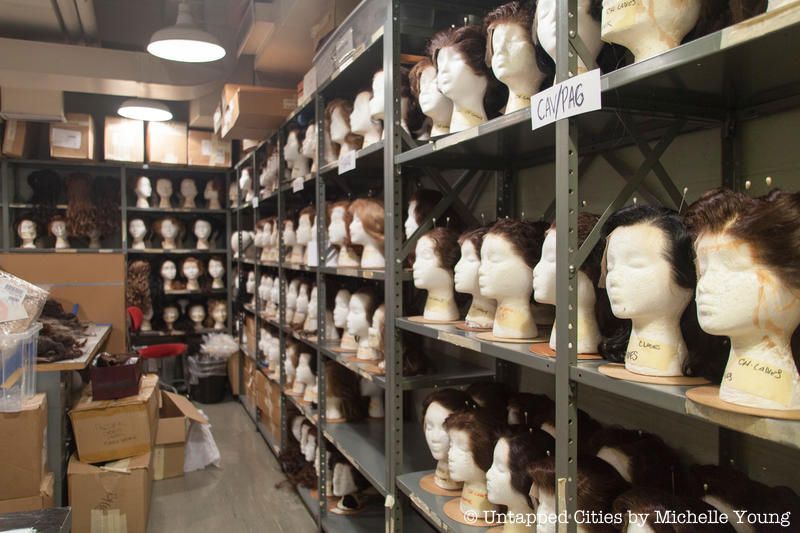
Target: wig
[(81, 213), (451, 399), (201, 270), (361, 483), (587, 426), (137, 287), (532, 408), (525, 237), (707, 354), (348, 218), (412, 115), (300, 133), (56, 218), (311, 211), (745, 9), (106, 204), (598, 485), (47, 189), (218, 185), (347, 109), (414, 362), (415, 74), (445, 243), (651, 463), (482, 427), (648, 502), (714, 15), (491, 395), (299, 472), (525, 447), (470, 42), (180, 230), (370, 212), (343, 384)]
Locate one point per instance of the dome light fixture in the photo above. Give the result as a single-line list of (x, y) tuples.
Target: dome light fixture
[(185, 41), (148, 110)]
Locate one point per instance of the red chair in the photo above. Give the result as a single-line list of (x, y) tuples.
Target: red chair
[(161, 357)]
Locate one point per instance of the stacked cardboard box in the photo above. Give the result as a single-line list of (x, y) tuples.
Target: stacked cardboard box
[(206, 149), (268, 397), (173, 426), (73, 139), (25, 484)]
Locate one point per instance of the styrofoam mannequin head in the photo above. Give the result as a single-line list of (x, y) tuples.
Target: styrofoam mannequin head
[(498, 479), (460, 460), (456, 79), (137, 228), (341, 308), (428, 271), (169, 270), (289, 234), (164, 187), (309, 146), (514, 59), (337, 229), (360, 118), (297, 425), (304, 374), (639, 279), (503, 272), (58, 228), (168, 229), (376, 327), (431, 100), (343, 480), (467, 269), (544, 513), (435, 435), (211, 191), (188, 188), (358, 319), (544, 274), (233, 193), (171, 314), (215, 268), (190, 269), (27, 229), (303, 233), (250, 285), (291, 150), (411, 225), (311, 448), (197, 313), (312, 303), (376, 102), (202, 229), (648, 27), (245, 180), (291, 294), (357, 233), (143, 187), (340, 128), (545, 27)]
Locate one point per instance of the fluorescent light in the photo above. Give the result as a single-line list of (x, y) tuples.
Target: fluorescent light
[(185, 41), (149, 110)]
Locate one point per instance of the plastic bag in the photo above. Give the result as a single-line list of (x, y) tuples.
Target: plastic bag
[(200, 368), (21, 303), (201, 449)]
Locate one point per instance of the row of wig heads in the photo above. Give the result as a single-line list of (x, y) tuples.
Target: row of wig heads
[(619, 470)]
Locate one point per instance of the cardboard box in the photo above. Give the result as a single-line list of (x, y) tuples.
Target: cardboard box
[(233, 373), (252, 112), (176, 414), (249, 378), (248, 145), (207, 150), (23, 449), (17, 138), (262, 396), (116, 429), (113, 498), (217, 118), (167, 143), (123, 140), (43, 500), (73, 139)]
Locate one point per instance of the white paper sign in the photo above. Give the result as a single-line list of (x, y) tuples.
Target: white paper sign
[(66, 138), (255, 201), (347, 162), (205, 147), (298, 184), (581, 94), (11, 298)]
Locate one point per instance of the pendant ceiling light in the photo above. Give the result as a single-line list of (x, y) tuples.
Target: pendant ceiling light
[(185, 41), (149, 110)]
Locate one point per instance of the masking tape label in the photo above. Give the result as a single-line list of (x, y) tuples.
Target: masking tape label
[(759, 378), (649, 354)]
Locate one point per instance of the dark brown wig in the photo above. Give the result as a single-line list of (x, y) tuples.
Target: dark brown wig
[(525, 236), (415, 74), (413, 115), (451, 399), (447, 250), (48, 189), (137, 288), (106, 204), (491, 395), (370, 212), (531, 407), (482, 426), (475, 236), (81, 212), (344, 384), (649, 502), (525, 447), (707, 354), (587, 426)]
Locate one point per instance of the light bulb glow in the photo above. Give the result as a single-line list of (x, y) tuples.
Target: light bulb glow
[(147, 110), (186, 50)]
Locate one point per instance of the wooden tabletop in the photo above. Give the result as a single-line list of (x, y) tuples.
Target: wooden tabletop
[(97, 336)]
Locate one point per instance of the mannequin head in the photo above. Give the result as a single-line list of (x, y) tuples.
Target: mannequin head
[(289, 234), (171, 314), (233, 193), (467, 269), (202, 229), (188, 188), (58, 227), (432, 102), (472, 439), (26, 229), (143, 188), (344, 385), (309, 146), (197, 313), (337, 120), (212, 189), (589, 13), (346, 481), (304, 222), (216, 268), (361, 118), (218, 310), (436, 408), (376, 329), (508, 480), (366, 226), (436, 255), (291, 149), (168, 228), (341, 308), (360, 310), (192, 268), (164, 187), (339, 225), (168, 270), (510, 251), (650, 248), (137, 229)]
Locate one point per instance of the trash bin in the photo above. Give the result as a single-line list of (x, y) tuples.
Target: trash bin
[(207, 379)]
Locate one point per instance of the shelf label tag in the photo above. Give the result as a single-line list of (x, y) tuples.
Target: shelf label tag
[(347, 162), (298, 184), (581, 94), (255, 201)]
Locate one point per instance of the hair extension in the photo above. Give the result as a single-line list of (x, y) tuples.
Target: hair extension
[(648, 502), (137, 288), (370, 212), (526, 446), (707, 354), (525, 237), (482, 427)]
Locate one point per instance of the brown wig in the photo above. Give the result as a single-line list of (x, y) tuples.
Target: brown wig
[(413, 115), (707, 354), (482, 426), (587, 426), (470, 42), (714, 15), (137, 287), (648, 502), (475, 236), (451, 399), (531, 407), (745, 9), (525, 447), (178, 226), (415, 74), (414, 362), (47, 189), (81, 213), (491, 395), (370, 211), (598, 485), (294, 128), (106, 204), (311, 211), (446, 247), (652, 463), (201, 270), (525, 237), (343, 384), (347, 110)]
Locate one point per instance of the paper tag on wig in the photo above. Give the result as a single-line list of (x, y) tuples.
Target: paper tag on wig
[(298, 184), (649, 354), (575, 96), (65, 138), (11, 298), (347, 162), (759, 378)]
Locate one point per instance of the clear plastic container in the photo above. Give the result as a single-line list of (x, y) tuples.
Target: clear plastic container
[(18, 367)]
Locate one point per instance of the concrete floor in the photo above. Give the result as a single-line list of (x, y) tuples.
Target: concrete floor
[(238, 497)]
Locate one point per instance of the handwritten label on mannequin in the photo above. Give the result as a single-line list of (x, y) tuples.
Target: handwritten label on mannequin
[(759, 378), (347, 162), (575, 96), (649, 354), (475, 499)]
